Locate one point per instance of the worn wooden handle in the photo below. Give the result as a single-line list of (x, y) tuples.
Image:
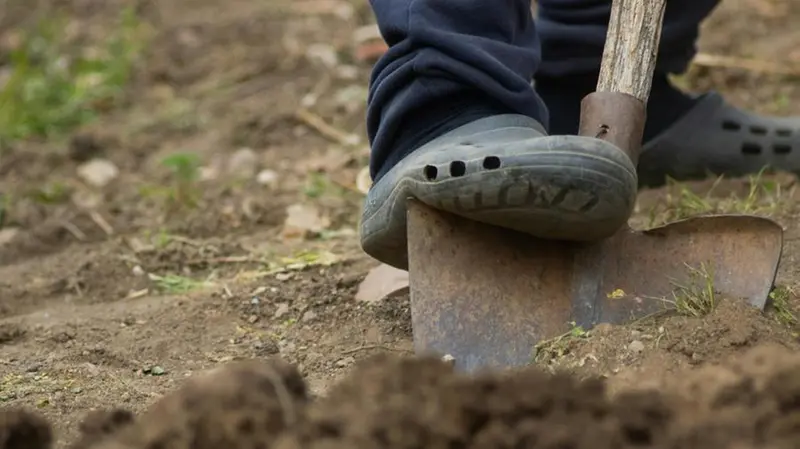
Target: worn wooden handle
[(629, 56)]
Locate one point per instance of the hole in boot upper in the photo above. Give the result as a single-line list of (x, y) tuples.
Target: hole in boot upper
[(491, 162), (430, 172), (730, 125), (783, 132), (758, 130), (751, 148), (781, 148), (457, 169)]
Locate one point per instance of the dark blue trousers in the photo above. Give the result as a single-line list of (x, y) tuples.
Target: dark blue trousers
[(452, 61)]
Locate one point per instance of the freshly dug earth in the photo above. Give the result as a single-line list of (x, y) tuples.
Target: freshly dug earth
[(113, 295), (395, 402)]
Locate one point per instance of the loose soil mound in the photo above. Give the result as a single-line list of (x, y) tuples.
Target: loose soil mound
[(395, 402), (654, 352)]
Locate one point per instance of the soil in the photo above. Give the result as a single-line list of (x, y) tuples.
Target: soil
[(115, 302)]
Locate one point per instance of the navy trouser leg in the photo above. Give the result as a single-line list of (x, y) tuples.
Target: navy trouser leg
[(573, 33), (449, 62)]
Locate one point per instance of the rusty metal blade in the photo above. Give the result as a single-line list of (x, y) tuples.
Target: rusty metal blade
[(487, 296)]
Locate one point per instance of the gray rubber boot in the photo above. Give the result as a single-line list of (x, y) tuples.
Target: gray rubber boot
[(717, 138), (505, 171)]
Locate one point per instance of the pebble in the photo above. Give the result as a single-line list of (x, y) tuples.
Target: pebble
[(345, 362), (282, 310), (98, 172), (243, 163), (283, 276), (636, 346), (310, 315), (323, 54), (267, 178)]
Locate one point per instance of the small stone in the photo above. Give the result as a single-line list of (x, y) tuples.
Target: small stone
[(138, 271), (255, 301), (243, 163), (324, 54), (33, 368), (345, 362), (636, 346), (282, 310), (309, 315), (283, 276), (98, 172), (267, 178), (76, 390), (347, 72), (7, 235), (92, 369), (157, 371), (252, 319)]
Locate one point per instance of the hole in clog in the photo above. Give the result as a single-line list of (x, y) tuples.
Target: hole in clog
[(784, 132), (730, 125), (781, 148), (751, 148), (491, 162), (458, 168), (758, 130), (430, 172)]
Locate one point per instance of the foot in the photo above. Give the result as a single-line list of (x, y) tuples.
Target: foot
[(505, 171), (714, 137), (688, 137)]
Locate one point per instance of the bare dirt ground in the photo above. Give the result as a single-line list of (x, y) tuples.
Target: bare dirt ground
[(206, 213)]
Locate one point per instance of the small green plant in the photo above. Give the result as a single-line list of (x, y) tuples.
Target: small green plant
[(781, 307), (697, 298), (185, 171), (52, 88), (172, 283), (51, 193), (556, 348), (316, 185)]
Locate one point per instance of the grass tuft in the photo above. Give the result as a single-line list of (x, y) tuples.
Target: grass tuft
[(697, 298), (764, 197), (52, 89), (781, 307)]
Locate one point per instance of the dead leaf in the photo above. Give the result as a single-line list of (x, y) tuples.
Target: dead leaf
[(382, 281), (303, 220)]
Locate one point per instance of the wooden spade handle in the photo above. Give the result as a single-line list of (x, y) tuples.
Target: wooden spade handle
[(629, 56)]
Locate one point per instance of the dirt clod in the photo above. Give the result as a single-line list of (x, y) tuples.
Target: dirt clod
[(101, 424), (22, 429), (395, 402), (242, 405)]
